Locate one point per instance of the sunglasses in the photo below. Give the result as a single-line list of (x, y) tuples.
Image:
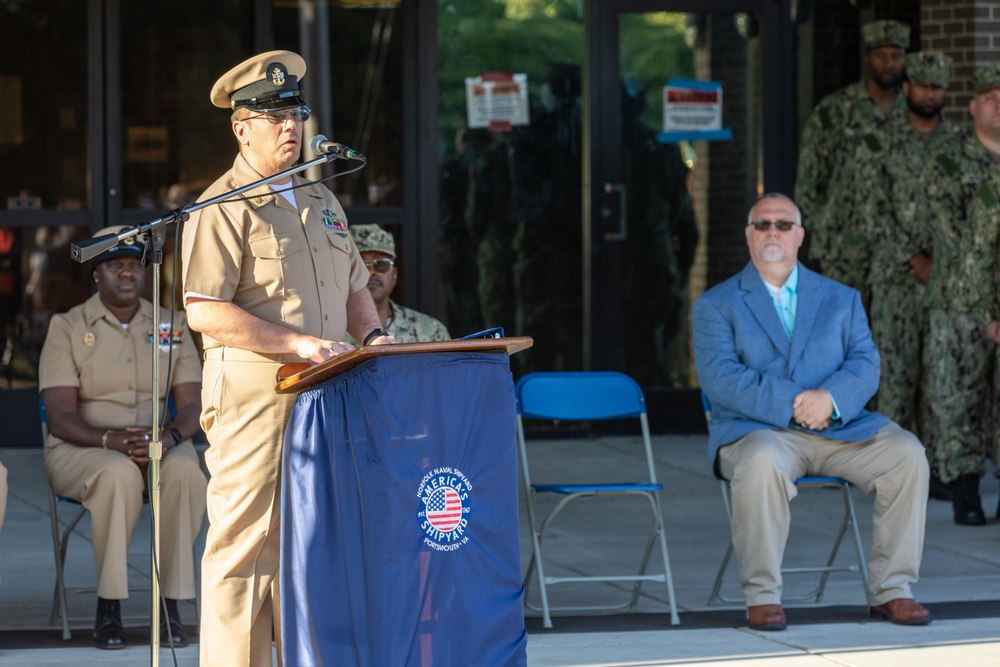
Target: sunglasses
[(780, 225), (280, 116), (379, 265)]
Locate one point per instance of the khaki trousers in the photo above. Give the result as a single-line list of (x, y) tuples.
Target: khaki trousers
[(763, 466), (245, 422), (110, 486)]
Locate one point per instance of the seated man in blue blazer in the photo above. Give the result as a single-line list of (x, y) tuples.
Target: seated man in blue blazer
[(787, 360)]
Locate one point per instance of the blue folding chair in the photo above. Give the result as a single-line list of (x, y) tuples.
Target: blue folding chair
[(588, 396), (849, 521)]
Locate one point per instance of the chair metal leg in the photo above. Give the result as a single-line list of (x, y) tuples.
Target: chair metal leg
[(849, 521), (667, 573), (716, 594), (59, 552), (656, 530)]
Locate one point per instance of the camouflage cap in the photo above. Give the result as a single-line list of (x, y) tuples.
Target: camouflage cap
[(372, 238), (986, 77), (929, 68), (886, 33)]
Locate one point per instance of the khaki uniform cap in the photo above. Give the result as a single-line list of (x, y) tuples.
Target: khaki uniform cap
[(266, 81)]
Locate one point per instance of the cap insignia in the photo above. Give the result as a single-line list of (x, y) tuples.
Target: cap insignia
[(277, 75)]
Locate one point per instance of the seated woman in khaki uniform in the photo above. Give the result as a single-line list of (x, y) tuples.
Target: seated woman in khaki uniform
[(96, 383)]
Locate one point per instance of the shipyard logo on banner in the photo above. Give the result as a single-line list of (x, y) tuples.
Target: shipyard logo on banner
[(444, 508)]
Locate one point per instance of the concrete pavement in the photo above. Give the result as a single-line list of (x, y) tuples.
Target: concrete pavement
[(960, 579)]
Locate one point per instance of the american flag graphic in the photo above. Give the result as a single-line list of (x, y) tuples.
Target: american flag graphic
[(444, 509)]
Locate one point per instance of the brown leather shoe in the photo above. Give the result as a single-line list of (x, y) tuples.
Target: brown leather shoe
[(902, 611), (766, 617)]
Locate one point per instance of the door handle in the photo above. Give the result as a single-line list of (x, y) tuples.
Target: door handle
[(621, 233)]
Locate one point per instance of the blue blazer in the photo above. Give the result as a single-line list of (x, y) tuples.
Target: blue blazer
[(751, 371)]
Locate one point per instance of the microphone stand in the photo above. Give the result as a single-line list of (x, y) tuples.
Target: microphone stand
[(86, 250)]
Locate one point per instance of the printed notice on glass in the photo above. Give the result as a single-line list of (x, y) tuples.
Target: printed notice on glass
[(692, 111), (497, 100)]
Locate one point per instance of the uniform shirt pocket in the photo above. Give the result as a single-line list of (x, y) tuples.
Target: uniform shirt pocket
[(277, 265), (340, 250)]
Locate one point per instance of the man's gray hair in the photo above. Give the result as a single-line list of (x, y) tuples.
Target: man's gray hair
[(776, 195)]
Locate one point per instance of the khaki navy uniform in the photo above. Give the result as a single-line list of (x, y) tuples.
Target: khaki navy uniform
[(111, 368), (295, 268)]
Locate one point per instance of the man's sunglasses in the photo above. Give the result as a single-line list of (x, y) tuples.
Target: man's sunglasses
[(379, 265), (780, 225)]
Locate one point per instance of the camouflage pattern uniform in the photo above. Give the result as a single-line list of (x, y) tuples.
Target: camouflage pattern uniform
[(887, 180), (962, 194), (406, 324), (825, 175), (411, 326)]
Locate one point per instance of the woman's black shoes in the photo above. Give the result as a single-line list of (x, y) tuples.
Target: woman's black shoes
[(109, 633)]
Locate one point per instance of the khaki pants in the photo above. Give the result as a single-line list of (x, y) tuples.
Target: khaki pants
[(245, 422), (110, 486), (763, 466)]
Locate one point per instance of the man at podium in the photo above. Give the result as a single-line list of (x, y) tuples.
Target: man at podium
[(270, 277)]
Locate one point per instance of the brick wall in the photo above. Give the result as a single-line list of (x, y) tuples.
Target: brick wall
[(968, 31)]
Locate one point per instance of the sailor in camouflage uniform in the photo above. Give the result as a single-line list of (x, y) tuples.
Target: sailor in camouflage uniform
[(962, 189), (825, 169), (378, 250), (888, 173)]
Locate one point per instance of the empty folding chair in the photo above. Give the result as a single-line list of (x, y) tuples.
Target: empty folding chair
[(589, 396)]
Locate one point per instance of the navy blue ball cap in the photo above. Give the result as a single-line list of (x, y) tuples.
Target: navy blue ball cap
[(130, 247)]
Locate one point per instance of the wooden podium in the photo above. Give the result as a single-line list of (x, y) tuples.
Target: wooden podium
[(400, 539), (293, 378)]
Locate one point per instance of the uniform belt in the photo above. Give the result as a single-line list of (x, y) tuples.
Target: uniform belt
[(236, 354)]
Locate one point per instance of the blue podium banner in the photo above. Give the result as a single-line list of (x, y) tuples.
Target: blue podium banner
[(399, 522)]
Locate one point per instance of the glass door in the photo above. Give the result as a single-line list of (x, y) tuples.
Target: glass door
[(675, 133)]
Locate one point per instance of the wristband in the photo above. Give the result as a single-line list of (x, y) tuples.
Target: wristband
[(104, 439), (178, 438), (375, 333)]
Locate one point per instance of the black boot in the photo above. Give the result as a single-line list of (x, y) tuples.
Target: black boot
[(109, 633), (938, 489), (177, 635), (966, 502)]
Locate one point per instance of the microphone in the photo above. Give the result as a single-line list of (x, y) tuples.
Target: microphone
[(320, 145)]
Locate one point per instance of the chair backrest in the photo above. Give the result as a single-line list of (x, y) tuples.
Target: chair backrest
[(579, 396)]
